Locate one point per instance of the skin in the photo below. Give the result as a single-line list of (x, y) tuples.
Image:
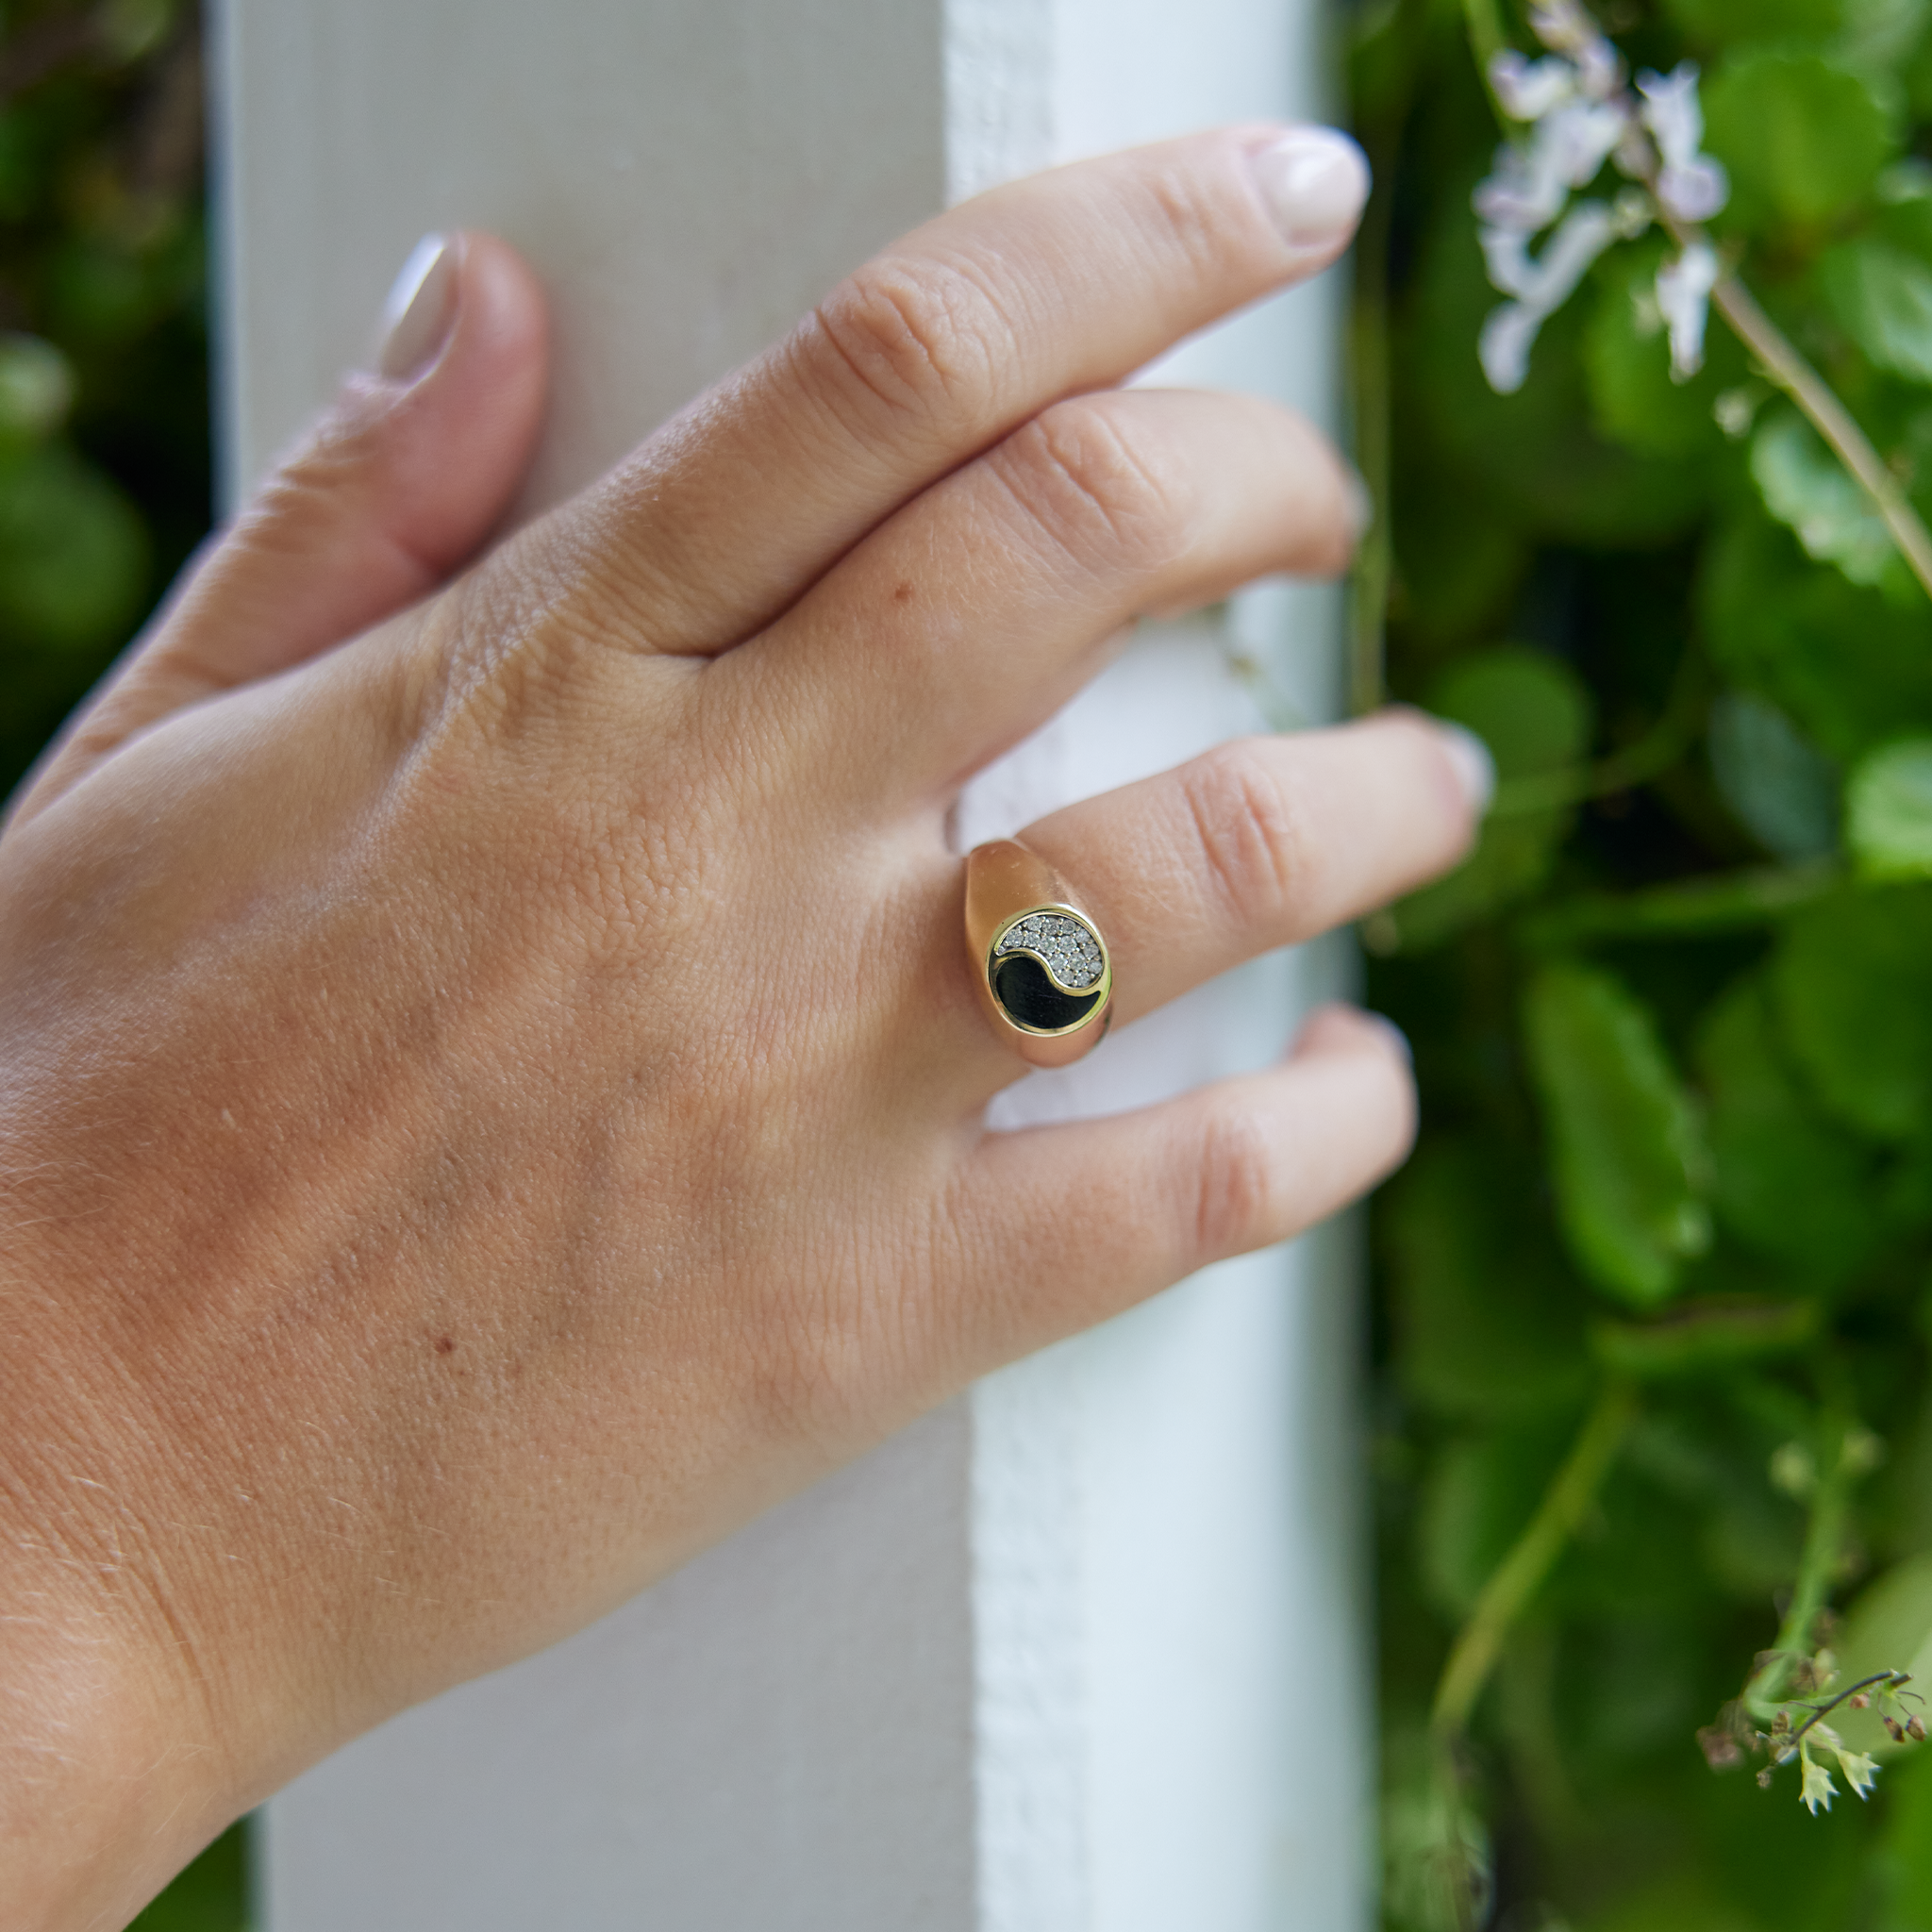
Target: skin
[(415, 1242)]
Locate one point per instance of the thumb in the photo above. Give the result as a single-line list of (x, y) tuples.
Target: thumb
[(399, 481)]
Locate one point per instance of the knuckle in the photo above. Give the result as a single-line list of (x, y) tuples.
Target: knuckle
[(1103, 488), (1233, 1205), (338, 454), (919, 341), (1254, 845), (1191, 219)]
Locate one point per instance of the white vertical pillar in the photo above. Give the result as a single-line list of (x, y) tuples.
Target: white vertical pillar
[(1084, 1651)]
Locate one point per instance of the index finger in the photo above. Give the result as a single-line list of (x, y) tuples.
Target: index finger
[(942, 345)]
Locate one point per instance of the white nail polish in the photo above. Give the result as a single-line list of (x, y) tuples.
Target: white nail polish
[(420, 312), (1313, 181), (1392, 1034), (1476, 770)]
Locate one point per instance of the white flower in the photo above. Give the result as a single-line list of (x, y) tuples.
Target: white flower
[(1861, 1770), (1683, 294), (1569, 148), (1528, 90), (1565, 26), (1818, 1790), (1540, 286), (1691, 186), (1582, 116)]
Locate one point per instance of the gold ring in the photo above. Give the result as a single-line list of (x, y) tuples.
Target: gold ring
[(1040, 965)]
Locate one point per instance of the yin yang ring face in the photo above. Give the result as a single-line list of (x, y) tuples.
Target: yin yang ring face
[(1049, 971)]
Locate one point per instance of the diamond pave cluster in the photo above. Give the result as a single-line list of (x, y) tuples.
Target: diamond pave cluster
[(1071, 951)]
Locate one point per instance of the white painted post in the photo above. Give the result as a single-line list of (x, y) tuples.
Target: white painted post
[(1083, 1651)]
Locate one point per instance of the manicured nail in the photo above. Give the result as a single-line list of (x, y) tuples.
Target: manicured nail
[(1314, 182), (1390, 1032), (1345, 1022), (1475, 769), (420, 312)]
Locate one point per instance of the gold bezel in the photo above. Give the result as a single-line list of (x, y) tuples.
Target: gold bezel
[(1100, 991), (1006, 882)]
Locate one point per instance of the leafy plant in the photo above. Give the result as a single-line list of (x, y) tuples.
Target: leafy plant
[(1655, 1297), (104, 465)]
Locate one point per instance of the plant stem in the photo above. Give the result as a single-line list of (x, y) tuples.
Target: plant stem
[(1891, 1679), (1653, 753), (1381, 136), (1831, 418), (1775, 352), (1577, 784), (1521, 1574), (1375, 557), (1818, 1568), (1486, 39), (1724, 904)]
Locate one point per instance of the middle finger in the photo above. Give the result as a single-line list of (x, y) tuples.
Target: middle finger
[(984, 604)]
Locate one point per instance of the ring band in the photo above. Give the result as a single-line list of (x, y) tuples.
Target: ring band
[(1040, 965)]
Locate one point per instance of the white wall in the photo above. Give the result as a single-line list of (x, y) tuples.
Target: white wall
[(1084, 1650)]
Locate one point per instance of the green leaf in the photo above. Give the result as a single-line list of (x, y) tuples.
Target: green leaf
[(1878, 42), (1535, 715), (36, 388), (1905, 1864), (1677, 1903), (73, 550), (1882, 298), (1488, 1321), (1888, 1629), (1718, 23), (1915, 75), (1806, 488), (1698, 1337), (1787, 1184), (1531, 458), (1633, 400), (1852, 983), (1849, 667), (1804, 140), (1628, 1150), (132, 28), (1775, 782), (1888, 812), (1481, 1494), (1456, 562), (211, 1895)]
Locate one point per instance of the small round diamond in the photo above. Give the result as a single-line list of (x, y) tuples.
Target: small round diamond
[(1071, 951)]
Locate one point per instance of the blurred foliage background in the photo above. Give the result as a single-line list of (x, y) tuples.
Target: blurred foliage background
[(104, 399), (1653, 1298), (104, 413), (1654, 1301)]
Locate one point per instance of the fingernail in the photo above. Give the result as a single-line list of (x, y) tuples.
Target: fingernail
[(1314, 182), (420, 311), (1346, 1020), (1393, 1033), (1469, 757)]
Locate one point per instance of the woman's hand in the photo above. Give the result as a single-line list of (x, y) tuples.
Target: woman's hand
[(491, 1087)]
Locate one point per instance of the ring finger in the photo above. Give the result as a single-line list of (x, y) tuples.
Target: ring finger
[(1262, 843)]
